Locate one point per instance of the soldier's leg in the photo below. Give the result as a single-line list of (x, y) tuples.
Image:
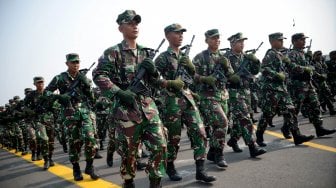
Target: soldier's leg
[(128, 140), (75, 144), (154, 137), (214, 116), (51, 142), (44, 139), (111, 147), (32, 140), (88, 132), (172, 121), (236, 130), (315, 115)]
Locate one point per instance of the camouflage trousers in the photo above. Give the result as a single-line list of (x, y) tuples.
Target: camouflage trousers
[(214, 116), (45, 135), (277, 102), (130, 134), (241, 120), (80, 130), (178, 111), (102, 125), (309, 96), (18, 137)]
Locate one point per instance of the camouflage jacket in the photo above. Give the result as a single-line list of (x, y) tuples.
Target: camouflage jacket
[(206, 64), (167, 65), (236, 63), (116, 69), (296, 70), (63, 81)]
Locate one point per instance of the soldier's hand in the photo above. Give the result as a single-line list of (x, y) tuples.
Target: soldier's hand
[(235, 79), (185, 61), (84, 79), (63, 98), (308, 70), (148, 64), (196, 96), (177, 84), (126, 96), (309, 54), (210, 80), (252, 58), (280, 76), (224, 62), (285, 60)]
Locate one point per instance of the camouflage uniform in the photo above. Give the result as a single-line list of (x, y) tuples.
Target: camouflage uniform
[(240, 95), (139, 121), (276, 99), (180, 108), (43, 123), (105, 122), (331, 73), (213, 63), (319, 81), (303, 89), (76, 115)]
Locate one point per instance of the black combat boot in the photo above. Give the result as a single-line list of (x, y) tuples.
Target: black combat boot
[(260, 138), (172, 173), (101, 145), (140, 165), (299, 138), (33, 157), (155, 183), (219, 159), (201, 175), (89, 169), (51, 162), (38, 155), (321, 131), (24, 151), (128, 184), (65, 148), (97, 155), (77, 172), (46, 162), (255, 151), (285, 132), (270, 122), (252, 118), (211, 154), (233, 143), (109, 158)]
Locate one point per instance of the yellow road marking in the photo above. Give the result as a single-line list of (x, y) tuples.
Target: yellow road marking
[(311, 144), (66, 173)]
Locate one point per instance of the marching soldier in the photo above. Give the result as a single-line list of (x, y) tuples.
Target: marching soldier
[(212, 71), (136, 115), (244, 66), (303, 89)]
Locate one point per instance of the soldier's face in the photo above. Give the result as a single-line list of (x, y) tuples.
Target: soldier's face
[(238, 46), (277, 44), (129, 30), (300, 43), (213, 42), (175, 38), (39, 85), (73, 66)]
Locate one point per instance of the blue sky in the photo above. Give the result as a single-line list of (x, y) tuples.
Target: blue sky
[(36, 35)]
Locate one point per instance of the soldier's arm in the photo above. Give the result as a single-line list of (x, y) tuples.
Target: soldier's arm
[(105, 70)]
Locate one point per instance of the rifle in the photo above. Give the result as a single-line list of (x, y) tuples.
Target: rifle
[(72, 89), (181, 71), (136, 86), (253, 51), (310, 45)]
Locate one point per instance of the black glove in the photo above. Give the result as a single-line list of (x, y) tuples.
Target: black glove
[(148, 64), (63, 99), (126, 96)]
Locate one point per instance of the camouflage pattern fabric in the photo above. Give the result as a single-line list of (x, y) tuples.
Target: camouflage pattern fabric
[(180, 108), (116, 69)]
